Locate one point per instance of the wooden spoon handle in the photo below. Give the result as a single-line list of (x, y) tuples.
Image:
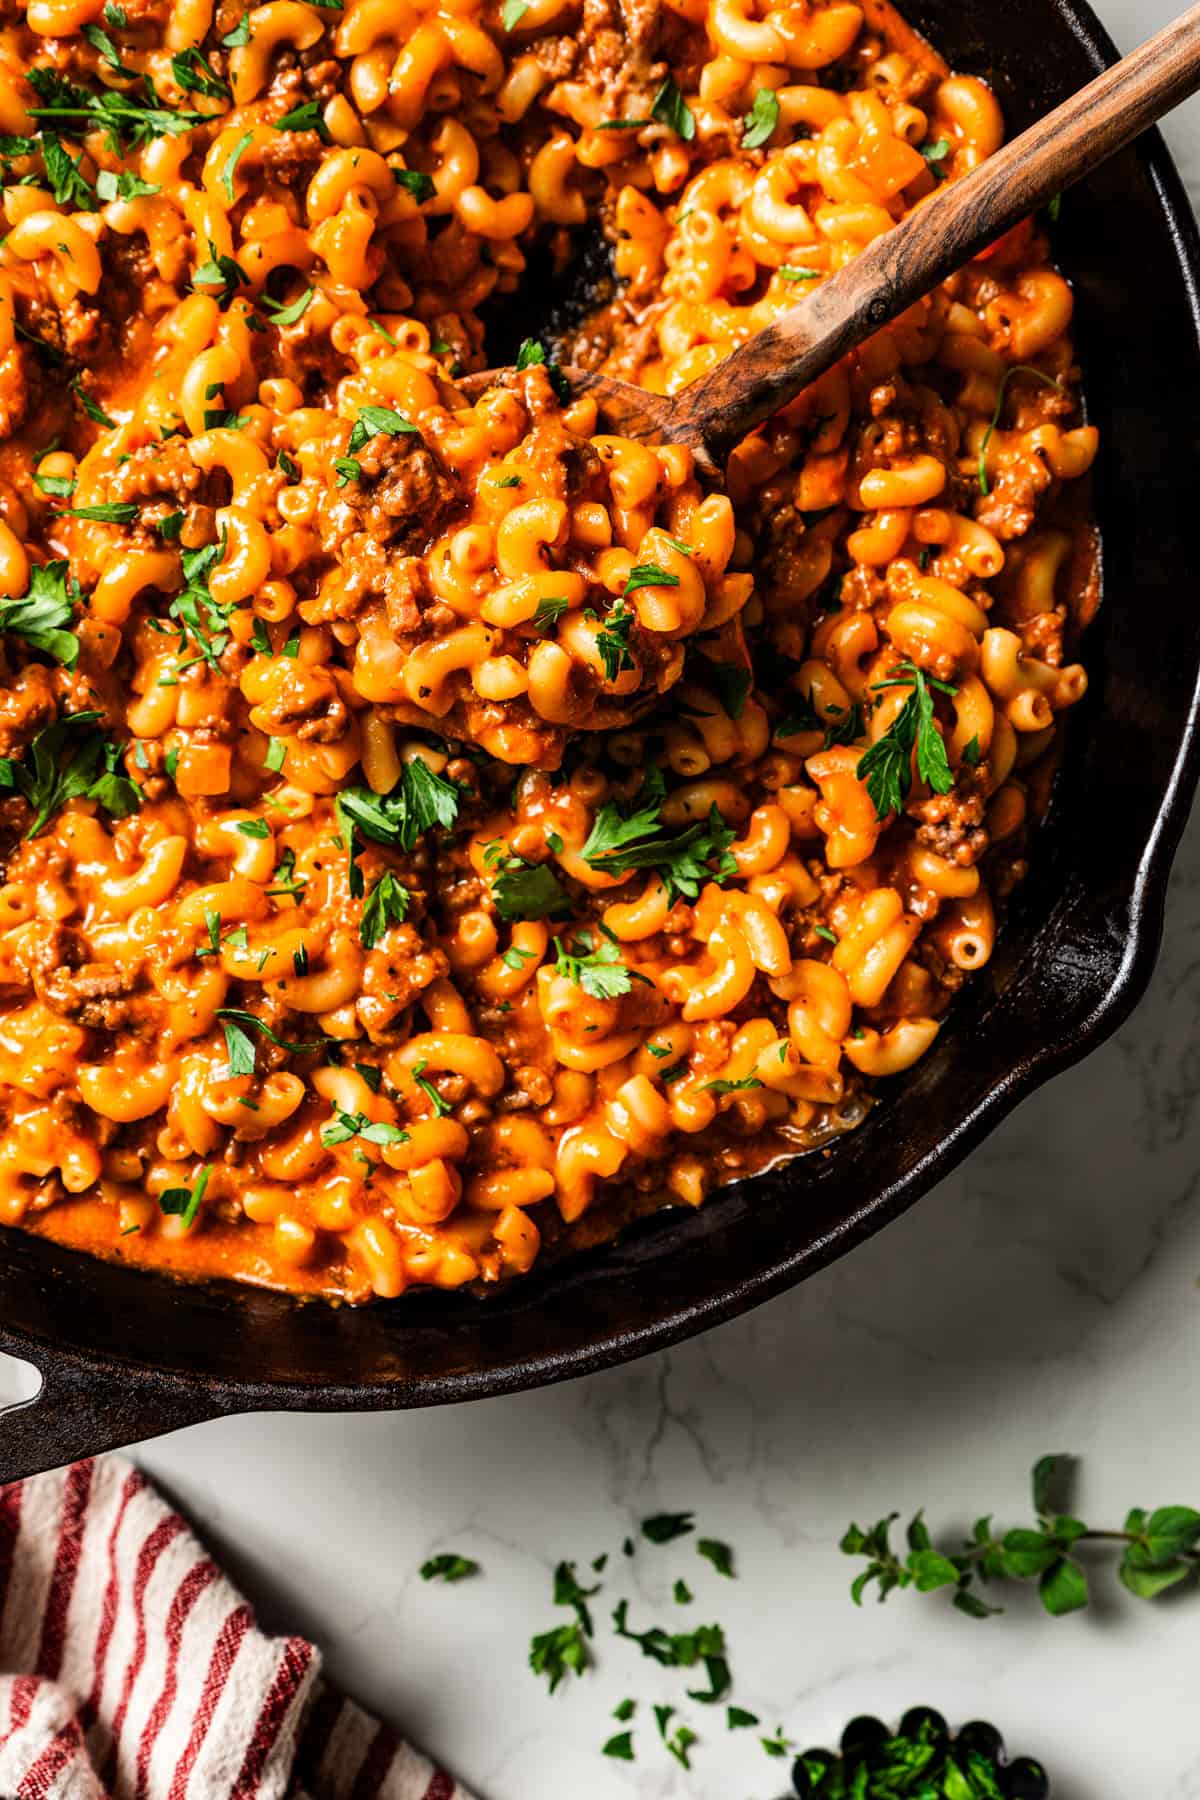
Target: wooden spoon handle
[(943, 232)]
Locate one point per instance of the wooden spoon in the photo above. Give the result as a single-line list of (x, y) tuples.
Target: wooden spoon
[(714, 413)]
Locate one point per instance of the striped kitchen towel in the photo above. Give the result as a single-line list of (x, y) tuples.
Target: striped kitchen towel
[(130, 1668)]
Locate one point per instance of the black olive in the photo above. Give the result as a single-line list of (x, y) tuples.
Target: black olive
[(981, 1736), (802, 1781), (1025, 1780), (919, 1718), (864, 1737)]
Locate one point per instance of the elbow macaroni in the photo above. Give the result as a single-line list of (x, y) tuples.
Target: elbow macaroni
[(654, 929)]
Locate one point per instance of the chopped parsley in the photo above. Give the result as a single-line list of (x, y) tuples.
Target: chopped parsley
[(193, 74), (184, 1203), (418, 184), (612, 640), (551, 609), (599, 971), (524, 890), (422, 801), (223, 273), (238, 1016), (760, 122), (719, 1555), (441, 1107), (305, 117), (619, 842), (124, 185), (664, 1528), (649, 575), (449, 1566), (887, 766), (386, 904), (117, 512), (993, 424), (128, 122), (512, 12), (378, 421), (532, 354), (230, 164), (671, 109), (70, 760), (557, 1653), (345, 1126), (288, 315), (42, 614)]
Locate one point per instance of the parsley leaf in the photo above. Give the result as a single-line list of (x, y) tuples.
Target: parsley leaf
[(239, 1047), (129, 123), (376, 421), (70, 760), (549, 611), (185, 1202), (761, 120), (124, 185), (230, 164), (649, 575), (422, 800), (345, 1126), (116, 512), (524, 890), (557, 1653), (612, 640), (70, 188), (599, 972), (887, 766), (620, 1746), (305, 117), (619, 843), (254, 1023), (193, 75), (721, 1088), (221, 272), (449, 1566), (719, 1555), (41, 615), (512, 12), (671, 109), (385, 905), (532, 354), (288, 315), (419, 184), (664, 1528)]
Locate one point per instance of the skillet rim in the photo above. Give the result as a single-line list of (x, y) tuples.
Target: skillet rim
[(109, 1399)]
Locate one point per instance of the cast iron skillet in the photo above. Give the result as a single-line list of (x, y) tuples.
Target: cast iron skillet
[(126, 1355)]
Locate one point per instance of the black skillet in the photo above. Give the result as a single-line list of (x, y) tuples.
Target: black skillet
[(125, 1355)]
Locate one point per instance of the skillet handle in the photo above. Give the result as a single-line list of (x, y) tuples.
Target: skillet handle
[(80, 1411)]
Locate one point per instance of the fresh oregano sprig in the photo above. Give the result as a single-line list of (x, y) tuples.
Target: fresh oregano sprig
[(1158, 1551)]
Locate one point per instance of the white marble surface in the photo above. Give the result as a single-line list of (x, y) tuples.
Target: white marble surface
[(1044, 1298)]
